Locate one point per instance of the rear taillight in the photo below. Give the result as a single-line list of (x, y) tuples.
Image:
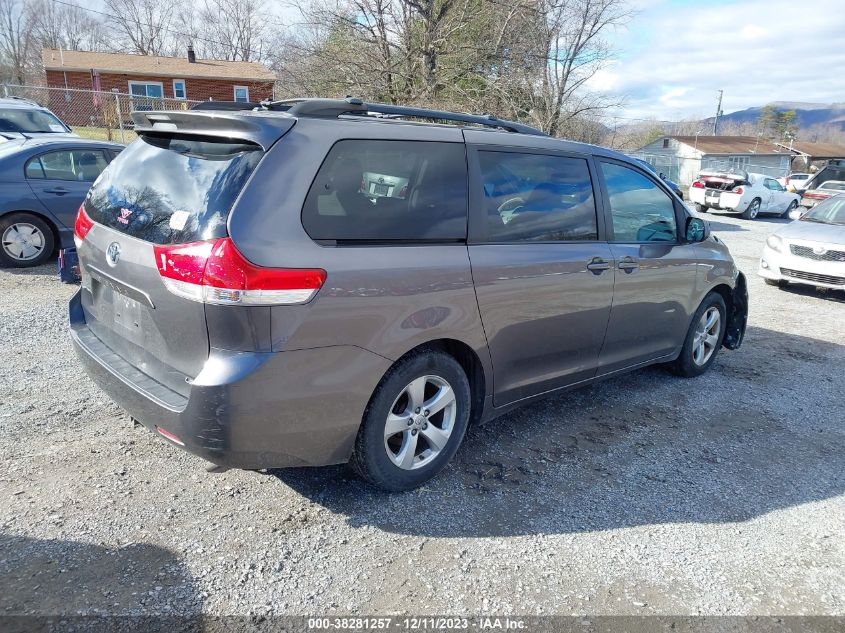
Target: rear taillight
[(787, 180), (81, 226), (698, 185), (215, 272), (738, 190)]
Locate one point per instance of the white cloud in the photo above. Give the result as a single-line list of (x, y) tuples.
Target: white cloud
[(675, 58)]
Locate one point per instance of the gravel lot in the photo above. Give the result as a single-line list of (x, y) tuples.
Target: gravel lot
[(648, 494)]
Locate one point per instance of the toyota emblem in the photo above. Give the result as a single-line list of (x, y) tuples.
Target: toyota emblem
[(113, 254), (819, 250)]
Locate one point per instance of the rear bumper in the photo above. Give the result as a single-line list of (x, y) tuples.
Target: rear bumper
[(246, 409)]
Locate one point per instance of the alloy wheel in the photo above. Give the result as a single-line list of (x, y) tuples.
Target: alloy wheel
[(420, 422), (706, 336)]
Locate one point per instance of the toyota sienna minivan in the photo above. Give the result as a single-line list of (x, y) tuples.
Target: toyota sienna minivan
[(250, 295)]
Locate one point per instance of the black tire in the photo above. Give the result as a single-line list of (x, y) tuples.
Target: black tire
[(685, 364), (752, 210), (370, 455), (700, 208), (41, 233), (792, 206)]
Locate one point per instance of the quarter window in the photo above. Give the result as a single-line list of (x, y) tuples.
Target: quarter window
[(81, 165), (640, 210), (389, 190), (537, 197)]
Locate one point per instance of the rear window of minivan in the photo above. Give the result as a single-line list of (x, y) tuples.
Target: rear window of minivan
[(172, 189), (370, 190)]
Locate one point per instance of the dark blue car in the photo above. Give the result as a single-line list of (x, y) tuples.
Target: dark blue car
[(42, 183)]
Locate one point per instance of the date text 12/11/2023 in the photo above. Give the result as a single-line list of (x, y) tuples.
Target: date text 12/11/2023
[(426, 623)]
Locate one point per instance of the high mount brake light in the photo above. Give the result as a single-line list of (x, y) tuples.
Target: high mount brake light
[(81, 226), (215, 272)]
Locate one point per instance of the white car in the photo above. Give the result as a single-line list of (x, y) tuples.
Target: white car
[(741, 192), (795, 182), (809, 251)]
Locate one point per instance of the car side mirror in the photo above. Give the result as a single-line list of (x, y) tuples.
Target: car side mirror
[(696, 230), (662, 176)]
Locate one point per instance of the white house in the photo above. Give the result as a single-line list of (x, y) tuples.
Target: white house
[(681, 158)]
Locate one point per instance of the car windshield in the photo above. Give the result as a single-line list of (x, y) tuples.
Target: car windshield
[(831, 211), (834, 186), (22, 120)]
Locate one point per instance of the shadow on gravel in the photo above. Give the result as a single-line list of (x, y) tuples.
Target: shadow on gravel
[(644, 449), (37, 271), (802, 290), (715, 225), (68, 578)]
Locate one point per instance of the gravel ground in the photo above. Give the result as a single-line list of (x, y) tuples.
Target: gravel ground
[(647, 494)]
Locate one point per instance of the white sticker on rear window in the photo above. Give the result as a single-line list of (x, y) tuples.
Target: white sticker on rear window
[(178, 220), (54, 127)]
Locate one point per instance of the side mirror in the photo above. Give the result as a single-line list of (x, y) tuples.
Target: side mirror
[(662, 176), (696, 230)]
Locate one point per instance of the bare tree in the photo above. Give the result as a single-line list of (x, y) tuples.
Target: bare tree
[(571, 36), (66, 26), (16, 42), (144, 27)]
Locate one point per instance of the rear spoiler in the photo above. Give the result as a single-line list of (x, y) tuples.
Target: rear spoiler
[(261, 130)]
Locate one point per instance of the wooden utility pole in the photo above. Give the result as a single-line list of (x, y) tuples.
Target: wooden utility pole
[(718, 114)]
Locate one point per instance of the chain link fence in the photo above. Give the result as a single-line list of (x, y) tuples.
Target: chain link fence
[(95, 114)]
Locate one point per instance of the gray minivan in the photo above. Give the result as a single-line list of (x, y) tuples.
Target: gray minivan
[(250, 296)]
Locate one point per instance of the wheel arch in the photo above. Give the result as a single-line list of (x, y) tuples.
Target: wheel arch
[(469, 361), (736, 306)]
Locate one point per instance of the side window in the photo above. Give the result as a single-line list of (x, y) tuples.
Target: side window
[(537, 197), (640, 210), (33, 168), (82, 165), (774, 185), (389, 190)]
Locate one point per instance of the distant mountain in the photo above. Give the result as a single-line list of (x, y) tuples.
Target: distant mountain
[(807, 115)]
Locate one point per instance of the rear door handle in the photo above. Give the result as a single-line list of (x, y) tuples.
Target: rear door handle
[(597, 265), (628, 264), (59, 191)]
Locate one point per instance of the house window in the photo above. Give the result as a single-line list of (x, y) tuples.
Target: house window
[(665, 143), (241, 94), (152, 89), (179, 89)]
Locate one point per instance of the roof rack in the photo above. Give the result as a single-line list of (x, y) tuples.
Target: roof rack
[(333, 108)]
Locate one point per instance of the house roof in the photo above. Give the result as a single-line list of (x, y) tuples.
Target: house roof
[(731, 145), (817, 150), (152, 65)]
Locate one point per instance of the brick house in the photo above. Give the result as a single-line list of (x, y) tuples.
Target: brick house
[(151, 82)]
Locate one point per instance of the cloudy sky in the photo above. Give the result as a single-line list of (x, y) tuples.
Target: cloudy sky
[(676, 54)]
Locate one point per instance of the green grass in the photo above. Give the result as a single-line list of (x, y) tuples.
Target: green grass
[(102, 134)]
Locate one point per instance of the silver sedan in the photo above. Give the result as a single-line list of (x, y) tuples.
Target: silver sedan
[(810, 250)]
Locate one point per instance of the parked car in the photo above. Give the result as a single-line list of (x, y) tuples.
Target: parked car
[(809, 251), (672, 185), (21, 118), (42, 183), (795, 182), (827, 189), (245, 301), (741, 192)]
